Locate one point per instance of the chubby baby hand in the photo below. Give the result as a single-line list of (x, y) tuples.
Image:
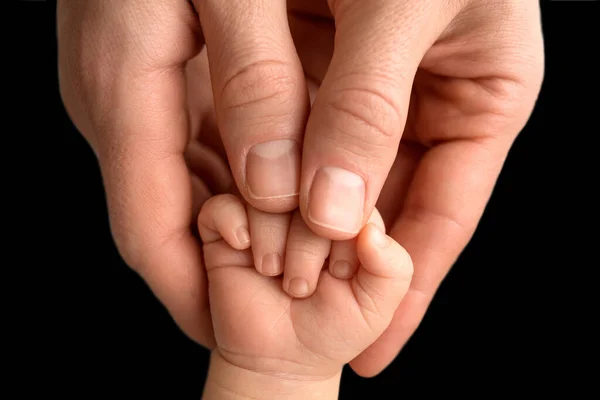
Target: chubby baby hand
[(259, 327)]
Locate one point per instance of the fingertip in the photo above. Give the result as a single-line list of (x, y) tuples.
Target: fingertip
[(305, 256), (382, 255), (341, 269), (377, 219), (224, 217), (242, 235), (260, 98), (269, 235), (271, 265), (343, 261), (298, 288), (372, 238)]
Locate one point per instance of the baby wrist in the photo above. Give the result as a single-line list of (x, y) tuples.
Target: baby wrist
[(230, 382)]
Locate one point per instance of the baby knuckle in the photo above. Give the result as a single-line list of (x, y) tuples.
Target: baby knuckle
[(213, 255), (221, 255)]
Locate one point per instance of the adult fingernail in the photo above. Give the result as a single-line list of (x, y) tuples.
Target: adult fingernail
[(273, 169), (337, 199), (342, 269), (271, 264), (298, 287)]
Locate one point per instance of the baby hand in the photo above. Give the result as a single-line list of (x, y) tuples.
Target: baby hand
[(259, 328), (284, 244)]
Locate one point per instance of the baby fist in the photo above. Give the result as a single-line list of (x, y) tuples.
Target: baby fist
[(260, 328)]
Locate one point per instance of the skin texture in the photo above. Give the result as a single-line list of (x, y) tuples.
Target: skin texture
[(417, 106), (261, 330)]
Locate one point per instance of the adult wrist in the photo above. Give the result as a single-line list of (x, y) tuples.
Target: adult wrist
[(230, 382)]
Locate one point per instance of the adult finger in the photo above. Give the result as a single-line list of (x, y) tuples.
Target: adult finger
[(359, 114), (260, 96), (454, 179), (130, 105), (444, 203), (434, 227)]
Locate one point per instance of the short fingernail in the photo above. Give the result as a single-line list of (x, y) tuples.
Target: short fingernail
[(380, 238), (271, 264), (273, 169), (342, 269), (298, 287), (242, 235), (337, 199)]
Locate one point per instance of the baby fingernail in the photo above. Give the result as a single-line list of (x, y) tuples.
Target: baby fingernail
[(242, 235), (273, 169), (298, 287), (342, 269), (271, 264), (337, 200)]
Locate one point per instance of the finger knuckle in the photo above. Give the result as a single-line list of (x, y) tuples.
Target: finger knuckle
[(72, 95), (219, 202), (205, 211), (368, 117), (356, 146), (220, 255), (308, 250), (215, 254), (372, 107), (127, 246), (142, 240), (73, 109), (260, 83)]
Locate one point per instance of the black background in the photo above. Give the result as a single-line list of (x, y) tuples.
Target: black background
[(510, 318)]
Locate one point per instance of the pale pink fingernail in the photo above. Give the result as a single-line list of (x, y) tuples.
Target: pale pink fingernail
[(337, 199), (273, 169)]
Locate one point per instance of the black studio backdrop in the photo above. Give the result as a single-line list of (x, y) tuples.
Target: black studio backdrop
[(508, 319)]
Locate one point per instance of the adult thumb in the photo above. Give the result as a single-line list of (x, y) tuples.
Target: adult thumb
[(359, 114)]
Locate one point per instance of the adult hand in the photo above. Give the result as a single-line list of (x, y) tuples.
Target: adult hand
[(124, 78), (415, 110), (469, 90), (469, 69), (127, 71)]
